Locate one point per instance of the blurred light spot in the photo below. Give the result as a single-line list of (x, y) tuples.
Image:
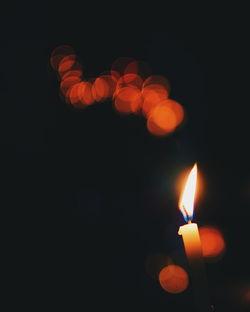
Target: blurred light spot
[(124, 84), (103, 87), (100, 89), (154, 129), (66, 63), (158, 80), (112, 82), (162, 120), (128, 100), (131, 68), (119, 65), (85, 93), (236, 293), (246, 296), (138, 67), (115, 74), (68, 82), (173, 279), (155, 263), (176, 108), (77, 73), (212, 241), (127, 80), (58, 54), (73, 96), (69, 63), (152, 95)]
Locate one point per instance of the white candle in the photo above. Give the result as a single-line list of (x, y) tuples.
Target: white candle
[(192, 244)]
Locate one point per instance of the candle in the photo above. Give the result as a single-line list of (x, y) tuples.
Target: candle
[(192, 244)]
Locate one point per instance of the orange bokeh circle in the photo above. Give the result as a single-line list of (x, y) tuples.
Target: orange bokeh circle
[(162, 120), (152, 95), (128, 100), (212, 242), (173, 279)]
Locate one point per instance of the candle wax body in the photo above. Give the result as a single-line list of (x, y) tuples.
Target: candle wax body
[(192, 244), (191, 239)]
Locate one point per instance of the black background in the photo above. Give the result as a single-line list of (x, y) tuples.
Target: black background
[(97, 186)]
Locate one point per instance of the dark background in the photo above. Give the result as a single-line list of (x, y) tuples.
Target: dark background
[(98, 186)]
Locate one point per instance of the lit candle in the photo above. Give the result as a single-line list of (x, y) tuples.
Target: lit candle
[(192, 244)]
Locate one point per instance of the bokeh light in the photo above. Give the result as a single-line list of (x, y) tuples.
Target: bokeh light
[(129, 80), (140, 68), (66, 63), (79, 94), (73, 95), (235, 294), (131, 68), (120, 65), (77, 73), (128, 100), (129, 84), (69, 64), (100, 89), (212, 241), (246, 296), (58, 54), (104, 87), (154, 129), (68, 82), (162, 120), (85, 93), (152, 95), (158, 80), (173, 279), (177, 109)]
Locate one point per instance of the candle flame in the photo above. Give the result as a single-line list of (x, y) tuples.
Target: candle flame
[(186, 203)]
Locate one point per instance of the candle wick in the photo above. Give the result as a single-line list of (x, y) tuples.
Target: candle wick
[(185, 210)]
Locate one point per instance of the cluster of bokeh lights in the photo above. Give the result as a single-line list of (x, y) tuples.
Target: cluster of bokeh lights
[(133, 90), (128, 84)]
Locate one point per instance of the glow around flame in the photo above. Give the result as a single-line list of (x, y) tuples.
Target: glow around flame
[(186, 203)]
